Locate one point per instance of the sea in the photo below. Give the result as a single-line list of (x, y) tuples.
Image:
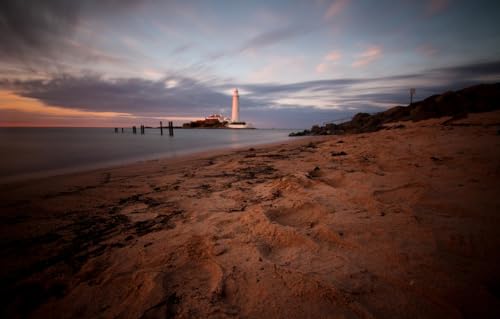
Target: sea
[(27, 153)]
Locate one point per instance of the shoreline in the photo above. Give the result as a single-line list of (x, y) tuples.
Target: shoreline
[(28, 177), (196, 155), (401, 222)]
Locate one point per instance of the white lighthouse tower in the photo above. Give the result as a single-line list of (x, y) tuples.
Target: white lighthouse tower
[(235, 116)]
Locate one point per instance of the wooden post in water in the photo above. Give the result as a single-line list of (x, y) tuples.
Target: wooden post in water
[(134, 130), (161, 128), (142, 129), (122, 129), (116, 130), (170, 128)]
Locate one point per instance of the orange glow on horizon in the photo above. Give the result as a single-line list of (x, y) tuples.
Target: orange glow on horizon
[(12, 101), (29, 112)]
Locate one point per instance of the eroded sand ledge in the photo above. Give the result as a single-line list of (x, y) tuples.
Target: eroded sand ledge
[(405, 224)]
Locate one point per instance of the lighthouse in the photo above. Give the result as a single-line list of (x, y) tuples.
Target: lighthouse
[(236, 122), (235, 116)]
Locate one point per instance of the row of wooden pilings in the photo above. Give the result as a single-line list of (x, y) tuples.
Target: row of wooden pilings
[(143, 129)]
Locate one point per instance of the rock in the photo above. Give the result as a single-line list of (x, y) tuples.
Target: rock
[(303, 133), (316, 172), (311, 145), (342, 153), (219, 250), (315, 129)]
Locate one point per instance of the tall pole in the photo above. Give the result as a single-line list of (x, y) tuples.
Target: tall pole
[(412, 92), (161, 128)]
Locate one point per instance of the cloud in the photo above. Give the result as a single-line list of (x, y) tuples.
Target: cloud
[(321, 68), (168, 96), (262, 40), (383, 91), (300, 102), (471, 71), (335, 8), (13, 102), (329, 60), (436, 6), (427, 50), (333, 56), (35, 25), (368, 56), (319, 85), (37, 32), (272, 37), (182, 48), (278, 67)]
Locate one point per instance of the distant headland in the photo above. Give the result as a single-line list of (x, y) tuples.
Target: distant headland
[(474, 99)]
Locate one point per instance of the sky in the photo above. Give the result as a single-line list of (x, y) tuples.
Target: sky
[(296, 63)]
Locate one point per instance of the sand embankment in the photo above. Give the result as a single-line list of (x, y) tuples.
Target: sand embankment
[(400, 223)]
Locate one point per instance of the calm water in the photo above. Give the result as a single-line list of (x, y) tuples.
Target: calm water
[(36, 152)]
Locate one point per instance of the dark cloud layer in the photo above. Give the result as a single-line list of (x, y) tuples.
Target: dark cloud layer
[(294, 87), (182, 96), (472, 70), (36, 32), (134, 95), (450, 78), (34, 26)]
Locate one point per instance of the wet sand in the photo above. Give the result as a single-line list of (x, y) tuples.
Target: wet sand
[(400, 223)]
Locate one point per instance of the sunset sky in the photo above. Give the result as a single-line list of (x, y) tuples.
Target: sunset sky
[(296, 63)]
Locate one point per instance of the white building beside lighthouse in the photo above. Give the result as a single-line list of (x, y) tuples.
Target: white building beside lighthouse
[(235, 113)]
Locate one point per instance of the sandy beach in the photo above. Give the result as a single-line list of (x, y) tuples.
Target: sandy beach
[(399, 223)]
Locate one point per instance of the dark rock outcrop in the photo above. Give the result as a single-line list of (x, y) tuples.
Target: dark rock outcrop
[(206, 123), (474, 99)]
